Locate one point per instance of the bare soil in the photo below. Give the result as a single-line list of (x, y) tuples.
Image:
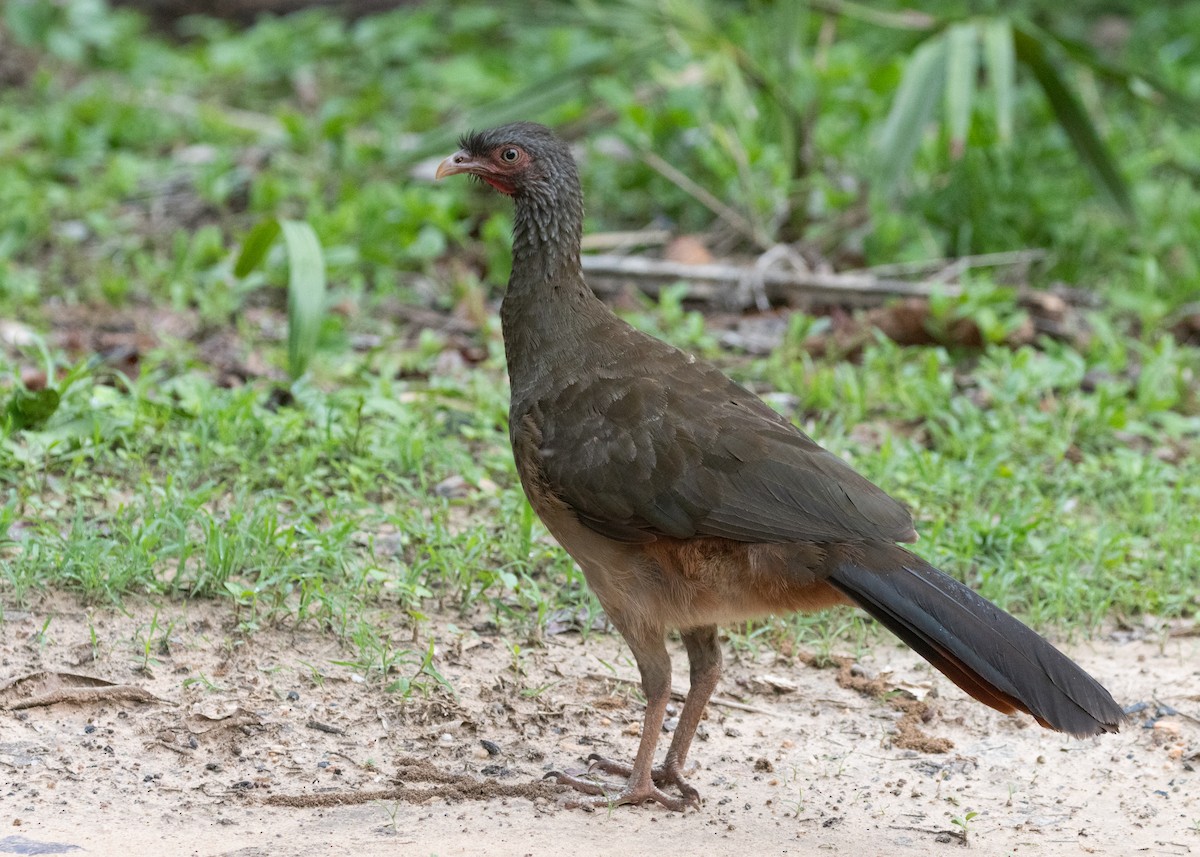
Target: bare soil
[(219, 742)]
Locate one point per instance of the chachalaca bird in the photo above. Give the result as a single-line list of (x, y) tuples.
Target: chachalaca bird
[(688, 502)]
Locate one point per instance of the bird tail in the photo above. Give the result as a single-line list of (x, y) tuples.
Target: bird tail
[(974, 643)]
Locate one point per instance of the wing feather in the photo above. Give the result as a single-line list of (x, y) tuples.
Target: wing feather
[(683, 451)]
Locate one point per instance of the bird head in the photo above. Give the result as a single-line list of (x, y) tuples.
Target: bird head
[(516, 159)]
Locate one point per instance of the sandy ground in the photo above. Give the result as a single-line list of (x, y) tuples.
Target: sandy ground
[(217, 742)]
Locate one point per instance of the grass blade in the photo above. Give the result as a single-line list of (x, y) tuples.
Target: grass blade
[(256, 245), (306, 282), (962, 64), (1002, 73), (1074, 119), (306, 292), (1140, 84), (919, 90)]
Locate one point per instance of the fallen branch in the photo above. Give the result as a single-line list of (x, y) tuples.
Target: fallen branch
[(623, 240), (932, 266), (718, 282), (452, 788)]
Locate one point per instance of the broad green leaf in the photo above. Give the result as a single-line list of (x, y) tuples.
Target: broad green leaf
[(256, 245), (919, 91), (1002, 72), (306, 282), (962, 64), (31, 409), (1074, 119), (306, 293)]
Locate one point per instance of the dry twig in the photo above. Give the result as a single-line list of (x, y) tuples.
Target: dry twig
[(719, 282)]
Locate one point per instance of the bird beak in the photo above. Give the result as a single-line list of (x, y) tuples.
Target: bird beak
[(459, 162)]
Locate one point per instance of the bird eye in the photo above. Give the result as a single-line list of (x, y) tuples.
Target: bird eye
[(510, 155)]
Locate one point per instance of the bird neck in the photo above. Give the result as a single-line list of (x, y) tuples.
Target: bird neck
[(546, 235), (548, 307)]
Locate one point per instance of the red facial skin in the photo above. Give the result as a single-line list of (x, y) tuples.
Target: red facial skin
[(498, 168)]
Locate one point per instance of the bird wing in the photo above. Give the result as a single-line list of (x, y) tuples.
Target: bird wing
[(680, 450)]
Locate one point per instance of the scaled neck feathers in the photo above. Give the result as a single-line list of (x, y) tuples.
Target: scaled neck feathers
[(547, 230)]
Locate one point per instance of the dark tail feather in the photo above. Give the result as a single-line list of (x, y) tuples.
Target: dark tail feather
[(978, 646)]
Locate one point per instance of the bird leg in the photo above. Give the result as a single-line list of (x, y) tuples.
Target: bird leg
[(704, 659), (655, 666)]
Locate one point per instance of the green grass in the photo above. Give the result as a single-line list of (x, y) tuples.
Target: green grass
[(172, 485), (1052, 500), (1062, 481)]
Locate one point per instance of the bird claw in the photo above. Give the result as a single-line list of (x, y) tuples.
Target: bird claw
[(579, 783), (631, 793), (662, 775)]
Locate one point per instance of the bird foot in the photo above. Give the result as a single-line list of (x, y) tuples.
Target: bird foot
[(663, 775), (631, 794)]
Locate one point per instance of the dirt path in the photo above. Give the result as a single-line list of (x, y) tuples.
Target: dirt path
[(214, 743)]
